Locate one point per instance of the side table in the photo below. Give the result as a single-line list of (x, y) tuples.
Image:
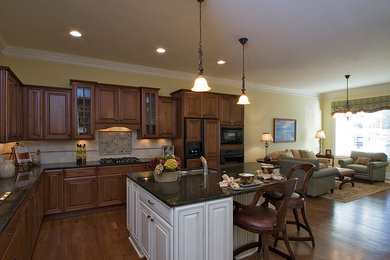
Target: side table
[(326, 156)]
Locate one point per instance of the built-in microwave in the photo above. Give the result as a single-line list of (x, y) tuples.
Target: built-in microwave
[(231, 135)]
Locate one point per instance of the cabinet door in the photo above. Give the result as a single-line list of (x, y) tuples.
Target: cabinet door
[(211, 138), (193, 105), (14, 109), (107, 104), (210, 105), (80, 193), (189, 232), (220, 229), (15, 247), (193, 163), (110, 190), (57, 115), (144, 225), (162, 239), (132, 200), (34, 113), (193, 130), (224, 111), (237, 112), (150, 107), (129, 110), (53, 183), (167, 117), (213, 162), (83, 104)]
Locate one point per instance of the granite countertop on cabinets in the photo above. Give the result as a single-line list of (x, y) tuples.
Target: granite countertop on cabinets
[(20, 189), (191, 189)]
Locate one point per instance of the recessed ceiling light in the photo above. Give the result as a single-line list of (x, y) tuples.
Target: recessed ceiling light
[(161, 50), (220, 62), (75, 33)]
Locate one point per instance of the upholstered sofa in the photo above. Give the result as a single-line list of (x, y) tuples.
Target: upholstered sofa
[(322, 181), (367, 166), (298, 154)]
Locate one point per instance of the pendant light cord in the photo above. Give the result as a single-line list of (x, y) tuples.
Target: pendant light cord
[(347, 77), (243, 69), (200, 69)]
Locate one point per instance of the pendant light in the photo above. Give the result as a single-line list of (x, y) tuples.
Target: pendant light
[(243, 100), (347, 111), (200, 84)]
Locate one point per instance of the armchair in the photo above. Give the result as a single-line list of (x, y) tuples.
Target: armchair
[(373, 171)]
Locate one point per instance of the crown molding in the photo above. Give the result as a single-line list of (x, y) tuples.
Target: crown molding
[(357, 91), (57, 57)]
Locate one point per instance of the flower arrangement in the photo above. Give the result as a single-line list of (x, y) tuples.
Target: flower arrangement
[(165, 163)]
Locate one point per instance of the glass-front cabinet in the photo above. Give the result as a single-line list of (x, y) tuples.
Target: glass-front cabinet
[(83, 109), (149, 100)]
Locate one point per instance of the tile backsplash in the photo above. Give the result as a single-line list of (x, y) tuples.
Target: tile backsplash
[(115, 142), (65, 150)]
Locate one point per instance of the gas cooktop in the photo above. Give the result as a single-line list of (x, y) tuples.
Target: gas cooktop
[(119, 161)]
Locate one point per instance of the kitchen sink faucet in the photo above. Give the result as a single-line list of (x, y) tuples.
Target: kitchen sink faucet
[(204, 163)]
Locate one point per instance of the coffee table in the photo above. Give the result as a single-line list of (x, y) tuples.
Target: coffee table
[(346, 176)]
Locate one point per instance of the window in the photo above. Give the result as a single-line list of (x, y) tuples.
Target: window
[(368, 132)]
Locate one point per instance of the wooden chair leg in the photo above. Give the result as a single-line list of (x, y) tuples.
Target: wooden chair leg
[(260, 243), (264, 238), (276, 239), (296, 219), (303, 211), (287, 243)]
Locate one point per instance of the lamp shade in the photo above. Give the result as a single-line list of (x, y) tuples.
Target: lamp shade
[(320, 134), (200, 84), (243, 100), (266, 137)]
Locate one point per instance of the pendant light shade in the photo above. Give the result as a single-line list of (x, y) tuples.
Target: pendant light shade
[(243, 100), (200, 84)]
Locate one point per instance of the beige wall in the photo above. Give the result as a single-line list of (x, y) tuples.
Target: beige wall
[(258, 116)]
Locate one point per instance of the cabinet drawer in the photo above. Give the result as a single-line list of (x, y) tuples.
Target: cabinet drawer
[(117, 169), (160, 208), (80, 172)]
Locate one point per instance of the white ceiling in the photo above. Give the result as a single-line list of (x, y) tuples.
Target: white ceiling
[(299, 45)]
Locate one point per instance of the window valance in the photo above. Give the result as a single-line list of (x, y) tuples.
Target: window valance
[(372, 104)]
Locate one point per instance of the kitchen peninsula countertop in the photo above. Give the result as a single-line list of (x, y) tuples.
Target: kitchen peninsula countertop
[(20, 189), (190, 189)]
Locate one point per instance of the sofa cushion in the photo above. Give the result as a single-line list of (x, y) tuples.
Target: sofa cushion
[(363, 160), (296, 153), (358, 167), (276, 155), (307, 154)]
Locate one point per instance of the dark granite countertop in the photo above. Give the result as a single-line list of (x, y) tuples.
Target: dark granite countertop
[(19, 189), (191, 188)]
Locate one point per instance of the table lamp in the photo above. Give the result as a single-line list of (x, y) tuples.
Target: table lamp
[(320, 135), (266, 137)]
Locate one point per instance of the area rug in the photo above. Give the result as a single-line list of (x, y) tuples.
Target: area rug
[(349, 193)]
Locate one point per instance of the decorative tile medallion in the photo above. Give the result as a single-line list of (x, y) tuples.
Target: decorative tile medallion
[(114, 142)]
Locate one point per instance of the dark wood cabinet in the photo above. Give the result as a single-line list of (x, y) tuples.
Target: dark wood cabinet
[(53, 190), (192, 105), (210, 105), (193, 163), (12, 239), (10, 106), (110, 185), (211, 138), (80, 189), (83, 109), (230, 114), (150, 112), (57, 117), (213, 162), (167, 117), (117, 106), (33, 113), (193, 131)]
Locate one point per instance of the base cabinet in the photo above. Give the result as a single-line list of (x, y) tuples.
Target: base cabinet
[(196, 231), (80, 193)]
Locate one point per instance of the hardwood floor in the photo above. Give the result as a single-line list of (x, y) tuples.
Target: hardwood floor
[(356, 230)]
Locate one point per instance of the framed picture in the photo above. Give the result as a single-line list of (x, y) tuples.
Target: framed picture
[(285, 130), (328, 152), (168, 149)]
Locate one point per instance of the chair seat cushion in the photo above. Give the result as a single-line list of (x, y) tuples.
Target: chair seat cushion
[(255, 219), (358, 167)]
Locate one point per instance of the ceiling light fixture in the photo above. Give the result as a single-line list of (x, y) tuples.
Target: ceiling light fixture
[(243, 100), (347, 111), (160, 50), (221, 62), (75, 33), (200, 84)]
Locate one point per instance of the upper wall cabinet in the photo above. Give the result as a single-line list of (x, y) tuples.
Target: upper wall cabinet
[(167, 117), (32, 110), (117, 106), (229, 112), (56, 114), (10, 106), (83, 113), (200, 105), (150, 112)]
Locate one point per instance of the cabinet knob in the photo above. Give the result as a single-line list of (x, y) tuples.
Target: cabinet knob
[(149, 216), (151, 203), (152, 220)]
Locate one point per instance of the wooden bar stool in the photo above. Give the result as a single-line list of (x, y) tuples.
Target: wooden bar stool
[(265, 221), (297, 202)]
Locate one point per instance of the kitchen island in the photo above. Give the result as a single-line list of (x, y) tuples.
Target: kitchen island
[(191, 218)]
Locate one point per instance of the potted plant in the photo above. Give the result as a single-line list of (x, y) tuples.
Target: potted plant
[(165, 168)]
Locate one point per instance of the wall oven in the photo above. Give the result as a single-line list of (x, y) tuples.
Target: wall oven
[(231, 135)]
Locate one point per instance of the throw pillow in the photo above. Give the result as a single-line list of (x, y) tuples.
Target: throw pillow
[(296, 153), (363, 160), (287, 154), (311, 155)]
